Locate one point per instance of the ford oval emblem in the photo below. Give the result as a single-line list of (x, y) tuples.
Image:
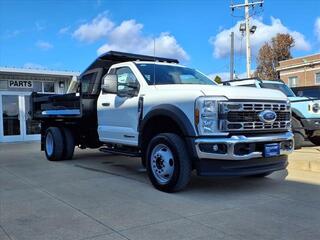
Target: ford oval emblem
[(267, 116)]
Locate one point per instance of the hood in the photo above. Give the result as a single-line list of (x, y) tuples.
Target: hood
[(230, 92), (302, 99)]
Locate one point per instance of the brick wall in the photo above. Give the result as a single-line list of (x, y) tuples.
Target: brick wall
[(300, 60), (304, 68)]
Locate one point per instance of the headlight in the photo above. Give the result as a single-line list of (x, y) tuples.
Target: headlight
[(316, 107), (206, 115)]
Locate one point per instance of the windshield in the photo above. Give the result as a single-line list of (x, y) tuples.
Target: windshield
[(282, 87), (165, 74)]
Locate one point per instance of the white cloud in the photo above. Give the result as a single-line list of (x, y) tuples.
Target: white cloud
[(33, 65), (99, 27), (64, 30), (264, 33), (128, 37), (12, 34), (317, 28), (40, 25), (44, 45)]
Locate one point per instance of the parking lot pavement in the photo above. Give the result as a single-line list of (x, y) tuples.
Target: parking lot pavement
[(100, 197)]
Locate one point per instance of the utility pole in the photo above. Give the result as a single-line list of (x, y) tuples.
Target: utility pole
[(248, 49), (232, 56), (248, 30)]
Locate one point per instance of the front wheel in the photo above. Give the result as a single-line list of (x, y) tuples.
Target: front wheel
[(298, 132), (168, 163), (315, 140)]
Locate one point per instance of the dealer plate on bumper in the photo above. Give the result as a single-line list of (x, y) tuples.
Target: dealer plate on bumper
[(271, 150)]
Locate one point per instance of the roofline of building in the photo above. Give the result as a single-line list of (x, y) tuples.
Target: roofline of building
[(297, 65), (311, 55), (38, 71)]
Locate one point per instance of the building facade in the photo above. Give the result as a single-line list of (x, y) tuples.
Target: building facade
[(16, 86), (300, 72)]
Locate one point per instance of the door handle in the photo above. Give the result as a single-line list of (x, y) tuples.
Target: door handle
[(106, 104)]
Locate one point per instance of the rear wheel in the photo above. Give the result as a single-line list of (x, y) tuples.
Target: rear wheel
[(315, 140), (69, 144), (53, 144), (168, 164)]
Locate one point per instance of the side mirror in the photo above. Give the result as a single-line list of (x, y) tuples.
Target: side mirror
[(110, 84)]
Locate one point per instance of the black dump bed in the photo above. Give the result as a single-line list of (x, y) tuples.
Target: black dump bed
[(83, 104)]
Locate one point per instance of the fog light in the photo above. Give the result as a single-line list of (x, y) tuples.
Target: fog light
[(287, 145), (215, 147)]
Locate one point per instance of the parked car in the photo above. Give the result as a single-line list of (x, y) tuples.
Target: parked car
[(310, 91), (305, 110), (173, 117)]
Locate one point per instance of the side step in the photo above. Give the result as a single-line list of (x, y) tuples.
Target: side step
[(120, 152)]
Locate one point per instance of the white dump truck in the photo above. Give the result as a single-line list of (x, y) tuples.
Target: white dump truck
[(175, 118)]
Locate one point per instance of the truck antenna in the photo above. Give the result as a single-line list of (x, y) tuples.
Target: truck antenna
[(154, 61)]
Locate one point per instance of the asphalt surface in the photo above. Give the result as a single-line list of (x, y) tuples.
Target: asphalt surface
[(101, 197)]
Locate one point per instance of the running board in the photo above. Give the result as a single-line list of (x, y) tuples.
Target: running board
[(120, 152)]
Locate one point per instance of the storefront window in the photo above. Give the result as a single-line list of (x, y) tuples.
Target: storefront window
[(10, 114), (32, 126), (3, 85), (48, 87)]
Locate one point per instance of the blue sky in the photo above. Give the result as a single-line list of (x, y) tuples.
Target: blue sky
[(68, 35)]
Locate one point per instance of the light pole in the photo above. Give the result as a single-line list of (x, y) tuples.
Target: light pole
[(245, 27)]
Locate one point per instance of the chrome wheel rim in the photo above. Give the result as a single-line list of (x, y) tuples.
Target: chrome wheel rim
[(49, 144), (162, 163)]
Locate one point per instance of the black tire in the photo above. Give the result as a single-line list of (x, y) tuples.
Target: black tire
[(298, 132), (315, 140), (54, 138), (181, 162), (261, 175), (69, 144), (143, 162)]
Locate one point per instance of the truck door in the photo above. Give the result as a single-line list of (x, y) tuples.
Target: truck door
[(118, 113)]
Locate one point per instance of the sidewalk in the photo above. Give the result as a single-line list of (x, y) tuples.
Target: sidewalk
[(306, 159)]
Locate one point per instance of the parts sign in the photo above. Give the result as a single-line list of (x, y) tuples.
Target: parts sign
[(20, 84)]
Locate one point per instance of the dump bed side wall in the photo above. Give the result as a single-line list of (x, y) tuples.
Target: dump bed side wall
[(55, 106)]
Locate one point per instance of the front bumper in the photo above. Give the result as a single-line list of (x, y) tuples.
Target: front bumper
[(241, 147)]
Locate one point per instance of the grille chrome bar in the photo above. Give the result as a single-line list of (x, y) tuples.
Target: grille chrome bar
[(243, 116)]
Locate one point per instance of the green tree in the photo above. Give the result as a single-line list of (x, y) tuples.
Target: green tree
[(218, 79)]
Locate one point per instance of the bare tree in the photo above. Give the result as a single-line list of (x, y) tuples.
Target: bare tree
[(270, 54)]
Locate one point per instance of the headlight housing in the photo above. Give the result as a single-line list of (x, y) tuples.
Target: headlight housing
[(206, 115), (316, 107)]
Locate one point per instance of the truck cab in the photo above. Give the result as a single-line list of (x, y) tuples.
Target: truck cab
[(174, 118), (305, 110)]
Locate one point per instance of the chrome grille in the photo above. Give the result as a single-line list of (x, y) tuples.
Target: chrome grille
[(235, 116), (264, 106)]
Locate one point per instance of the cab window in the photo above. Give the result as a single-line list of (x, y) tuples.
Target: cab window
[(87, 83), (126, 80)]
